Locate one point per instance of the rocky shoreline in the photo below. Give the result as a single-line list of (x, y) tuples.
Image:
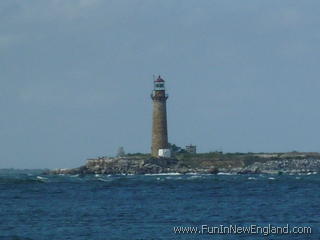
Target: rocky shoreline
[(287, 166), (136, 165)]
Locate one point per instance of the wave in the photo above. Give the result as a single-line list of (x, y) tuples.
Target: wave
[(8, 180), (14, 238), (226, 173), (148, 179), (162, 174), (42, 178)]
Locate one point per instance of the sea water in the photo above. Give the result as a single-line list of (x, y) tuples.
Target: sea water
[(35, 206)]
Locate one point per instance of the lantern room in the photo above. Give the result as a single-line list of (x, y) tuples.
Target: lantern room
[(159, 84)]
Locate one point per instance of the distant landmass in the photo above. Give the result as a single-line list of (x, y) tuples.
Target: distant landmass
[(204, 163)]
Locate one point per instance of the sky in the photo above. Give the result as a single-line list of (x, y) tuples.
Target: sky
[(76, 77)]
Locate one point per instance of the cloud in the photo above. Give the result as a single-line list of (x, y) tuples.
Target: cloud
[(7, 40), (48, 10), (290, 17), (57, 95), (88, 3), (74, 9), (284, 17)]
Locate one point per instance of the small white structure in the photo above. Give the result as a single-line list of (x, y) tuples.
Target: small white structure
[(165, 153)]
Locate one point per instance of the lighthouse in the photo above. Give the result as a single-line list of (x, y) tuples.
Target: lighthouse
[(160, 146)]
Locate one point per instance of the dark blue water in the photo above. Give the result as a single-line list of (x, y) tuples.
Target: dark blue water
[(35, 207)]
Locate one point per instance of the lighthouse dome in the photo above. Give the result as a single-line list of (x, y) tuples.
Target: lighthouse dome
[(159, 84), (159, 79)]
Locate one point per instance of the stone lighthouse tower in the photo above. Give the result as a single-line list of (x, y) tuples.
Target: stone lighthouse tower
[(160, 146)]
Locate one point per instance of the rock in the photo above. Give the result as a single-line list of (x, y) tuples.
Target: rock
[(134, 165), (213, 170)]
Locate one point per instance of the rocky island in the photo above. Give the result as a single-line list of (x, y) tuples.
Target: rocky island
[(169, 158), (204, 163)]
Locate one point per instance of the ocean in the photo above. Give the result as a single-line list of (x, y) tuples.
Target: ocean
[(99, 207)]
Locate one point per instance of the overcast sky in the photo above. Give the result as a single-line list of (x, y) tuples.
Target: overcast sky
[(76, 76)]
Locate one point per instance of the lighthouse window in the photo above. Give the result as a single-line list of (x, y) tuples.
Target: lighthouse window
[(159, 85)]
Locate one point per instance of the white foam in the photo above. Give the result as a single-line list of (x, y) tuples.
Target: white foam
[(39, 177), (162, 174), (195, 176), (103, 180), (42, 178), (225, 173)]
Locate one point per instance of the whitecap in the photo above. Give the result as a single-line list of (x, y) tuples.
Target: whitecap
[(42, 178), (195, 176), (225, 173), (103, 180), (162, 174)]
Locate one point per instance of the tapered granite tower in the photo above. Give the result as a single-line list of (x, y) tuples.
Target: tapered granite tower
[(160, 144)]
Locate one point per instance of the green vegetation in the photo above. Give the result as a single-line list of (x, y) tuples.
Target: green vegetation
[(138, 155), (218, 156), (175, 149), (219, 159)]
